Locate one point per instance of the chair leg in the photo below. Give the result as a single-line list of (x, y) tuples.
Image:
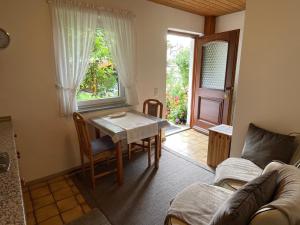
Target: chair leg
[(159, 142), (149, 153), (129, 151), (82, 162), (93, 175)]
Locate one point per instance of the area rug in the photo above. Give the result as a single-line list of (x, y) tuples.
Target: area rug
[(95, 217), (145, 196)]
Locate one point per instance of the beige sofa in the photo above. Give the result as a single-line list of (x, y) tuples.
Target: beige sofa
[(202, 201)]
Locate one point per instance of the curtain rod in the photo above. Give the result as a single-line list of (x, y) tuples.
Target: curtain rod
[(97, 7)]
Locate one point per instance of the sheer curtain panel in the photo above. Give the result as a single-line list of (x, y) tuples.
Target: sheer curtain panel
[(119, 27), (74, 25)]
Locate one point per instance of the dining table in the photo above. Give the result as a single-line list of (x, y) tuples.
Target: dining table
[(129, 126)]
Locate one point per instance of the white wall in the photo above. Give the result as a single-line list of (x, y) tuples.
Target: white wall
[(46, 141), (230, 22), (268, 92)]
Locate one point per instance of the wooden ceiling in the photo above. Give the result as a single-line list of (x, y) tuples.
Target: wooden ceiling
[(206, 7)]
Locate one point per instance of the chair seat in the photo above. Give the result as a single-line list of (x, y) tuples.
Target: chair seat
[(102, 144)]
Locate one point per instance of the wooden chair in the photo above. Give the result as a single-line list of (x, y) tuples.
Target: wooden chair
[(96, 150), (154, 108)]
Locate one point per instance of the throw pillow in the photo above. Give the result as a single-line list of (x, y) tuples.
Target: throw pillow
[(263, 146), (240, 207)]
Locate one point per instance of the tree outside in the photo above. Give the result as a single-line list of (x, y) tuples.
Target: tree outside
[(177, 84), (101, 79)]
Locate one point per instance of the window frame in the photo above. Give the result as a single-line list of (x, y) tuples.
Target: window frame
[(110, 101), (104, 101)]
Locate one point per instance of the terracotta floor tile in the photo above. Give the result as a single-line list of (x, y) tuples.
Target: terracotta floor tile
[(26, 197), (72, 214), (70, 182), (80, 199), (66, 204), (46, 212), (53, 221), (28, 206), (37, 185), (55, 186), (43, 201), (56, 179), (45, 208), (75, 190), (40, 192), (86, 208), (30, 220), (63, 193)]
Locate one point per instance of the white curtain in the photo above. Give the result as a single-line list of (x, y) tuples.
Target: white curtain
[(120, 32), (74, 26)]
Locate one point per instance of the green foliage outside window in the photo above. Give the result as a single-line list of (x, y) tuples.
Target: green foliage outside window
[(101, 79), (177, 87)]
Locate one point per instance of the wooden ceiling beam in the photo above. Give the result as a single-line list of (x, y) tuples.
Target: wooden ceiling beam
[(209, 25)]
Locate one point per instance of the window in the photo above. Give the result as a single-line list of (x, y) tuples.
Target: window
[(101, 83)]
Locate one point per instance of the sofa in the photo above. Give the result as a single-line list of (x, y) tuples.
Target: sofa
[(232, 173), (198, 203)]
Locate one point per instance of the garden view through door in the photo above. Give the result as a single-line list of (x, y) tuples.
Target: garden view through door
[(180, 54)]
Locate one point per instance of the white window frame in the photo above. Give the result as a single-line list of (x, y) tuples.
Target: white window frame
[(104, 101)]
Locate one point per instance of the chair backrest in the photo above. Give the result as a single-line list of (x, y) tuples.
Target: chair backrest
[(83, 134), (153, 107)]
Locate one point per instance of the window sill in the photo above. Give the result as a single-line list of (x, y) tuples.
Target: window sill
[(94, 108)]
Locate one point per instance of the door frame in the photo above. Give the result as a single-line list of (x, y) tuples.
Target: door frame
[(197, 71), (194, 36)]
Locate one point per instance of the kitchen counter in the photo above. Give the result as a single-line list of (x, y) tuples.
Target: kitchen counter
[(11, 200)]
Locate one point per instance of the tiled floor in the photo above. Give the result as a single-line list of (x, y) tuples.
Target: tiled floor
[(189, 143), (53, 202)]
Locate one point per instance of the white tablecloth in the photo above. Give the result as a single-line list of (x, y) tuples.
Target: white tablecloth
[(137, 126)]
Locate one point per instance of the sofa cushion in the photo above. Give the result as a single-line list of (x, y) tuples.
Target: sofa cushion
[(239, 208), (197, 203), (236, 169), (262, 146)]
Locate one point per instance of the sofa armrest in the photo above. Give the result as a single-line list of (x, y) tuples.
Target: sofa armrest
[(269, 216)]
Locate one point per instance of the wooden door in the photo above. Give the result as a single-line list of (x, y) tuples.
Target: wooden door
[(213, 80)]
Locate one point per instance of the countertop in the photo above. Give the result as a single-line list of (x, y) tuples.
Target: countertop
[(11, 200), (223, 129)]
